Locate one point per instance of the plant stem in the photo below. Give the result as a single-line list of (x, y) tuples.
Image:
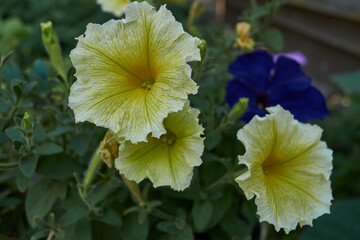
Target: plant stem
[(162, 215), (133, 187), (95, 163)]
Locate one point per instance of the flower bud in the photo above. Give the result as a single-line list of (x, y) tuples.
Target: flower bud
[(26, 122), (238, 109), (52, 46)]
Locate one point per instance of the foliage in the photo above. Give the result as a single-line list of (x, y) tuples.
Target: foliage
[(45, 155)]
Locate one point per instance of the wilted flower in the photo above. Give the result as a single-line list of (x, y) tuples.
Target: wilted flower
[(288, 169), (132, 73), (243, 40), (116, 7), (267, 83), (167, 161)]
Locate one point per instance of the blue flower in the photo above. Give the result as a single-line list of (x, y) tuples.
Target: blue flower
[(267, 83)]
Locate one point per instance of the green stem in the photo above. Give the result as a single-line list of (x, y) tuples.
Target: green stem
[(219, 183), (133, 187), (162, 215), (8, 166), (95, 163)]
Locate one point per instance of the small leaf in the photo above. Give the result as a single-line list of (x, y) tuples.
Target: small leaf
[(21, 181), (48, 149), (83, 229), (73, 215), (202, 212), (39, 134), (27, 164), (80, 143), (15, 135), (4, 107), (348, 82), (60, 130), (58, 166), (40, 199), (168, 227), (273, 38), (111, 217), (133, 230)]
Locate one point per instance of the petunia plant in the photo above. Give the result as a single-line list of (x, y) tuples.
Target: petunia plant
[(147, 132)]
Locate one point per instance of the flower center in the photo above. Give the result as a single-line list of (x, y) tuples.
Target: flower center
[(262, 100), (272, 165), (147, 85), (169, 138)]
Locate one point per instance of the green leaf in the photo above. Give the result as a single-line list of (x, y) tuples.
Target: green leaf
[(133, 230), (111, 217), (237, 228), (273, 38), (201, 213), (21, 181), (39, 134), (27, 164), (60, 130), (58, 166), (73, 215), (184, 234), (42, 234), (40, 199), (4, 107), (348, 82), (342, 223), (80, 143), (212, 140), (15, 134), (48, 149), (168, 227), (83, 229)]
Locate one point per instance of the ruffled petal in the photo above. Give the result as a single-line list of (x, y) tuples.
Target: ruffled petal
[(288, 169), (132, 73), (307, 105), (166, 163), (253, 69), (116, 7), (288, 76)]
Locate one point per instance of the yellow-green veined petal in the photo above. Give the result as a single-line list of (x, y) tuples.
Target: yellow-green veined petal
[(132, 73), (116, 7), (167, 161), (288, 169)]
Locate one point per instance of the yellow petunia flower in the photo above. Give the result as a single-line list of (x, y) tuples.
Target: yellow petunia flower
[(243, 40), (167, 161), (132, 73), (288, 169), (116, 7)]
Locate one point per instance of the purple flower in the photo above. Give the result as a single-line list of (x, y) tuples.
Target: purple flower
[(267, 83), (297, 56)]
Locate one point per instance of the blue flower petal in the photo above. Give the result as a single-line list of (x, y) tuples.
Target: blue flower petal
[(288, 76), (235, 90), (253, 69), (307, 105)]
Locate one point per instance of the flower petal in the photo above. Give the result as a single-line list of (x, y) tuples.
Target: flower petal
[(253, 69), (163, 163), (117, 7), (288, 169), (132, 73), (306, 105)]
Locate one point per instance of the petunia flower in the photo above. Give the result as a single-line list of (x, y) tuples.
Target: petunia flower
[(132, 73), (267, 83), (297, 56), (167, 161), (243, 40), (116, 7), (288, 169)]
